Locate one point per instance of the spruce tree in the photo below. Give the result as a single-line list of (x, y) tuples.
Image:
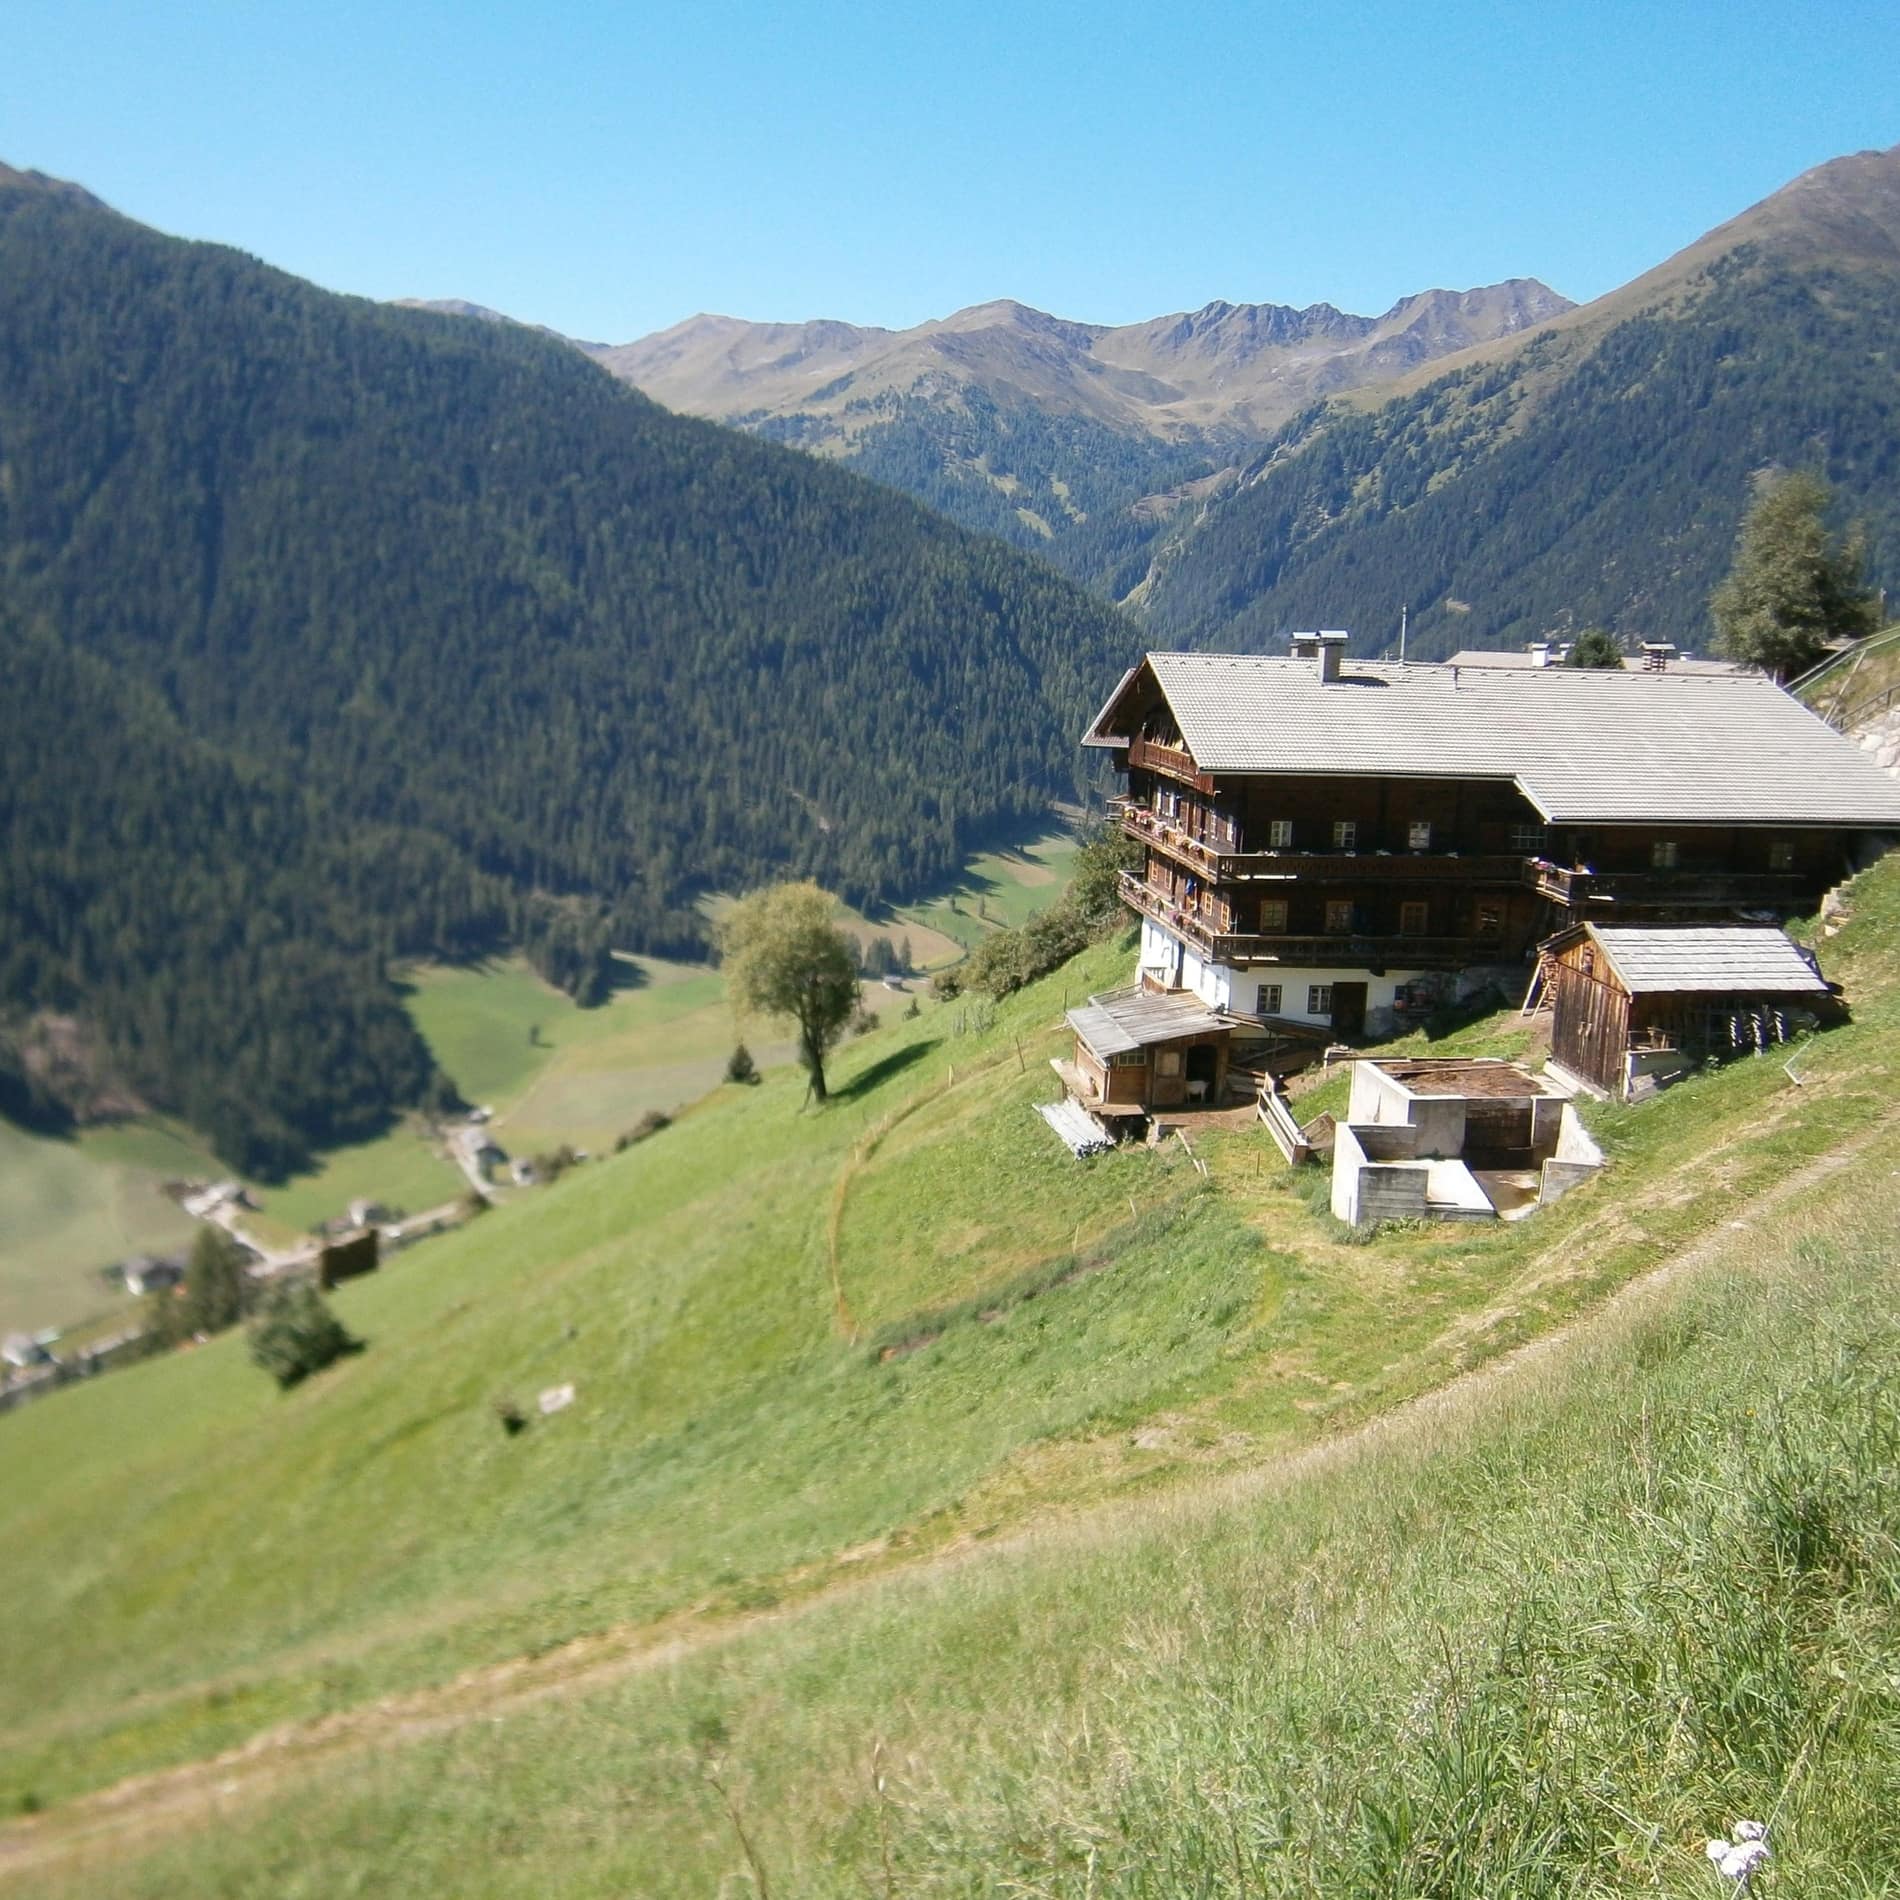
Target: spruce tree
[(1793, 588)]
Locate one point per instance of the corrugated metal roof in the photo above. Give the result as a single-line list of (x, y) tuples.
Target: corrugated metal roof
[(1585, 747), (1121, 1020), (1718, 960)]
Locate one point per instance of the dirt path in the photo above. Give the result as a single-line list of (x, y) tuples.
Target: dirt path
[(132, 1811)]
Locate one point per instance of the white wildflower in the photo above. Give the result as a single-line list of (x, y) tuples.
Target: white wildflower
[(1737, 1859)]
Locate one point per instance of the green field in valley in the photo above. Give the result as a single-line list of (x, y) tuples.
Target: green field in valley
[(69, 1207), (554, 1074), (835, 1355)]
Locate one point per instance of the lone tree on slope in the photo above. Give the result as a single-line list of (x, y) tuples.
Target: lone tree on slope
[(1792, 587), (786, 957)]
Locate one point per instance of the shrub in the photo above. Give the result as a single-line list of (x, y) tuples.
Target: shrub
[(549, 1167), (509, 1415), (649, 1124), (295, 1334), (740, 1067)]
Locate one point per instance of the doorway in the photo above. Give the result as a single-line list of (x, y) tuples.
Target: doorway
[(1349, 1009)]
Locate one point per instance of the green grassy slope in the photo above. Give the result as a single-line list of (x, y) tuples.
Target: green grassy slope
[(185, 1557), (1543, 1640)]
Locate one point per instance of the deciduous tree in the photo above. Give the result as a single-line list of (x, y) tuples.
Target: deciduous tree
[(786, 957)]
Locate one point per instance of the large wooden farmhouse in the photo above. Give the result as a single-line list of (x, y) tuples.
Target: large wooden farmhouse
[(1330, 841)]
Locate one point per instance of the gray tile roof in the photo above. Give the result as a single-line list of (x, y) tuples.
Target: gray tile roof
[(1121, 1020), (1585, 747), (1718, 960)]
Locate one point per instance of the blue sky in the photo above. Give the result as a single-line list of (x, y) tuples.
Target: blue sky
[(609, 170)]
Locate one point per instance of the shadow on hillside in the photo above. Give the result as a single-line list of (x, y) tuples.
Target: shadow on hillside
[(882, 1070)]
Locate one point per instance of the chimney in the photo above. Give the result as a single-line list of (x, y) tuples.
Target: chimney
[(1305, 645), (1332, 648), (1657, 654), (1539, 651)]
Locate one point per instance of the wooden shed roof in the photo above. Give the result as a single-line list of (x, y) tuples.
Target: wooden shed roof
[(1121, 1020), (1710, 960)]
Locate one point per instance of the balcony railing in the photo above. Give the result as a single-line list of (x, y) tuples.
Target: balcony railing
[(1688, 890), (1325, 867), (1149, 755), (1343, 950)]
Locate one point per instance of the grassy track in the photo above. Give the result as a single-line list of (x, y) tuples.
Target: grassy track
[(169, 1592)]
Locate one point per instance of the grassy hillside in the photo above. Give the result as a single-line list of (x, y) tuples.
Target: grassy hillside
[(1542, 1639), (807, 1349)]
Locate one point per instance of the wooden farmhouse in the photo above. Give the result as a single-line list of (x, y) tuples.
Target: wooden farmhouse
[(1635, 1008), (1330, 842)]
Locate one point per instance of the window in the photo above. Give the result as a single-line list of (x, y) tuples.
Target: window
[(1128, 1059), (1272, 915), (1781, 855), (1319, 999), (1280, 834), (1418, 835), (1663, 855), (1345, 834), (1490, 920), (1168, 1062), (1268, 1002), (1529, 839), (1339, 914), (1415, 918)]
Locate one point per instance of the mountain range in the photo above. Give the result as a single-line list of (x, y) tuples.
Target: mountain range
[(1497, 464), (1030, 426), (1227, 369), (1591, 470)]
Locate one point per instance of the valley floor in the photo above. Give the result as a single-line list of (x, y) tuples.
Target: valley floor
[(939, 1512)]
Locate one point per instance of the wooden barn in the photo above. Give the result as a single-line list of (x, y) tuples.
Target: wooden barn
[(1637, 1008), (1137, 1049)]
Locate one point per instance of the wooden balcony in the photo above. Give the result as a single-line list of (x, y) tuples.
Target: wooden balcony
[(1603, 893), (1341, 950), (1145, 755), (1324, 867)]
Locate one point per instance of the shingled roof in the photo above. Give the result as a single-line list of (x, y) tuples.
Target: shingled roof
[(1585, 747), (1715, 960)]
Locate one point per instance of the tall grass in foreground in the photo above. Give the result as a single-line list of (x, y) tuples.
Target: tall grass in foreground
[(1544, 1639)]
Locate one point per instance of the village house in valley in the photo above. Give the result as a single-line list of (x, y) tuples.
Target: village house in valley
[(1331, 843)]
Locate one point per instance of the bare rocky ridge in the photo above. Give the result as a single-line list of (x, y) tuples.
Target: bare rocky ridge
[(1226, 369)]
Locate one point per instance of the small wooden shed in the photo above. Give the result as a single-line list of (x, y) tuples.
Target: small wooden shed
[(1636, 1007), (1137, 1049)]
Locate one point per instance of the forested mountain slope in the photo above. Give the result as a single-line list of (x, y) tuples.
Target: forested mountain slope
[(451, 581), (1593, 472)]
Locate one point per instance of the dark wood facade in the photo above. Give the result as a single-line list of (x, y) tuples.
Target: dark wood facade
[(1358, 872)]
